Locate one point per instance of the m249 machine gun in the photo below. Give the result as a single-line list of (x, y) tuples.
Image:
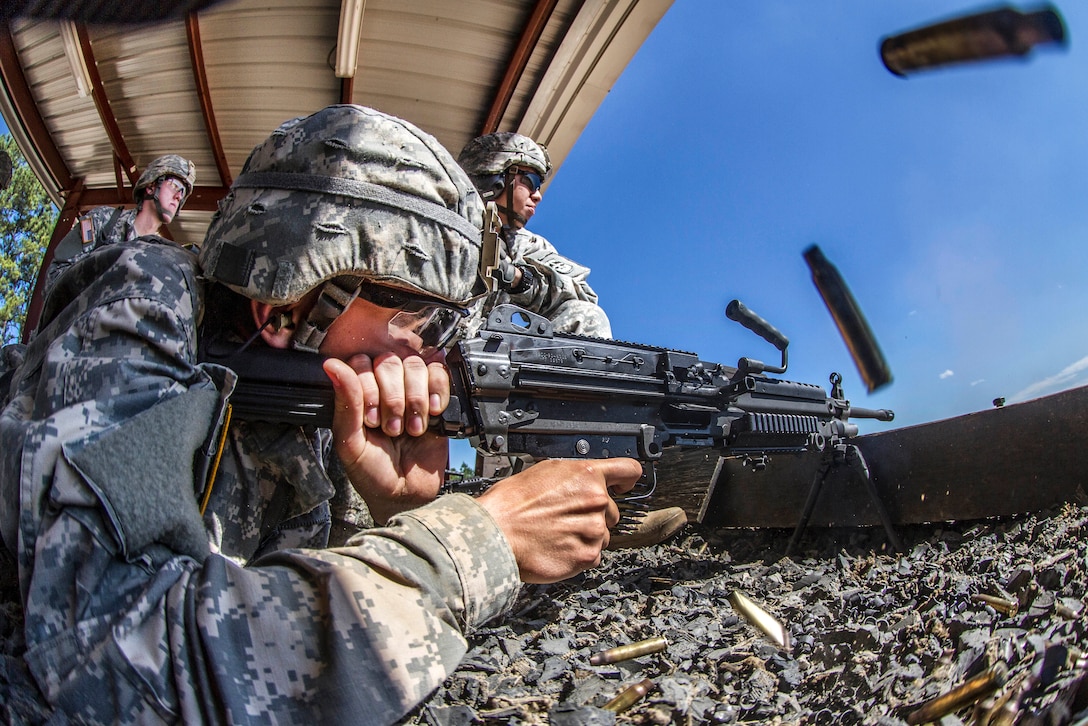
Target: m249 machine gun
[(519, 388)]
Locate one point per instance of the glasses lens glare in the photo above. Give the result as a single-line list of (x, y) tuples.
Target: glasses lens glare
[(532, 180), (174, 186), (426, 330), (421, 324)]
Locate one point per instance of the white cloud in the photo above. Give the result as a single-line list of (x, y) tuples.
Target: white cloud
[(1059, 381), (947, 374), (980, 380)]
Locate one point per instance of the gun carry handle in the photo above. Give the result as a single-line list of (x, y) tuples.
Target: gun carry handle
[(739, 312)]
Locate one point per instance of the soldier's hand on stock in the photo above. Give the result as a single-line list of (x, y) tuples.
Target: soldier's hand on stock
[(377, 400), (557, 513)]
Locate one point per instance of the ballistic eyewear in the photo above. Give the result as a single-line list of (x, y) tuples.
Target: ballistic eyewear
[(424, 324), (532, 180), (174, 186)]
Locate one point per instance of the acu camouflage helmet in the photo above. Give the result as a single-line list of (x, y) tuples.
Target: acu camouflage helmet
[(486, 159), (347, 192), (170, 165)]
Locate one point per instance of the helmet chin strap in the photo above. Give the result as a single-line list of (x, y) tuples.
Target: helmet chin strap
[(508, 211), (160, 210)]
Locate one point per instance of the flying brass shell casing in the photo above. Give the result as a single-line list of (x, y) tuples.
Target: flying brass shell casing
[(629, 696), (632, 650), (973, 690), (757, 616), (1000, 604)]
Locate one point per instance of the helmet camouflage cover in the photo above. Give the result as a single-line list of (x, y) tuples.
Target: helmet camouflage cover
[(497, 152), (347, 191), (169, 165)]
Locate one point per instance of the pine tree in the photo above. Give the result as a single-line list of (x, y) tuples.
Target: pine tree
[(27, 218)]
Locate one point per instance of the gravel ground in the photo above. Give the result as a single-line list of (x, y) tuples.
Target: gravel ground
[(873, 634)]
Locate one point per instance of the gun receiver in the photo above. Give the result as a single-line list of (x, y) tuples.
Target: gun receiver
[(520, 388)]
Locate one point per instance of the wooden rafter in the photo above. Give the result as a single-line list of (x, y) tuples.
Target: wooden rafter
[(105, 112), (27, 108), (65, 220), (200, 76), (530, 35), (203, 198)]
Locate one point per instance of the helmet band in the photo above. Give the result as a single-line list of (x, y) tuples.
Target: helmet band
[(361, 190)]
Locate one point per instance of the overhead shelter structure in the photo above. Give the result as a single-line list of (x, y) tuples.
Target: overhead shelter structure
[(91, 105)]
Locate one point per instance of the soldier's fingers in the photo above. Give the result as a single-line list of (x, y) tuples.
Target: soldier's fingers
[(348, 395), (438, 387), (619, 475), (611, 517), (416, 395), (389, 374), (363, 367)]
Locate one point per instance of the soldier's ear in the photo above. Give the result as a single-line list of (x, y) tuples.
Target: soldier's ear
[(276, 322)]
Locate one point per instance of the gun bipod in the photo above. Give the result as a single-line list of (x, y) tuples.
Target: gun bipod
[(833, 456)]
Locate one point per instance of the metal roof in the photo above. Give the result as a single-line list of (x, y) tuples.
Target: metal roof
[(91, 105)]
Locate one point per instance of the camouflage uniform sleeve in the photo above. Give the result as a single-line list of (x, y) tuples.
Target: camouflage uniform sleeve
[(374, 626), (561, 292), (559, 279)]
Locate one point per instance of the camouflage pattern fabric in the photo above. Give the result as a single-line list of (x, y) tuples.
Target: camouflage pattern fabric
[(169, 165), (347, 191), (561, 292), (496, 152), (124, 627), (71, 247)]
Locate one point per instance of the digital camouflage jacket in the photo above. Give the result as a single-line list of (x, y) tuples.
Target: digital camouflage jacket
[(140, 610), (560, 293)]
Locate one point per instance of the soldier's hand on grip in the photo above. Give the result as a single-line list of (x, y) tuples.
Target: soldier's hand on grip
[(556, 514)]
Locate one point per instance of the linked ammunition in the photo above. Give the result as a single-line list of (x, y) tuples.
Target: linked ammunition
[(760, 618), (629, 696), (1000, 604), (633, 650), (973, 690)]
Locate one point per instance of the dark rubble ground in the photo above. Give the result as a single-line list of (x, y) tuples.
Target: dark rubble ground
[(874, 634)]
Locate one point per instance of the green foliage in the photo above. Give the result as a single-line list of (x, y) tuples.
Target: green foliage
[(27, 218)]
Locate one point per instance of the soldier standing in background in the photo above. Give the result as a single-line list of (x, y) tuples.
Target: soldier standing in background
[(160, 193), (509, 169)]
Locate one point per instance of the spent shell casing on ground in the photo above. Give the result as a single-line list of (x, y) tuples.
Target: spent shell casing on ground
[(1000, 604), (632, 650), (629, 696), (760, 618), (973, 690)]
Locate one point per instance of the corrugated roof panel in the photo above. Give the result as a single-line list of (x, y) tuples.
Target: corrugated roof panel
[(72, 121), (153, 63), (245, 44), (188, 228)]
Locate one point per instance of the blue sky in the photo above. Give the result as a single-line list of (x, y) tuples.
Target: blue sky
[(953, 201)]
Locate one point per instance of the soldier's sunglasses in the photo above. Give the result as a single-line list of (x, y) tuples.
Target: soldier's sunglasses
[(425, 324), (532, 180)]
